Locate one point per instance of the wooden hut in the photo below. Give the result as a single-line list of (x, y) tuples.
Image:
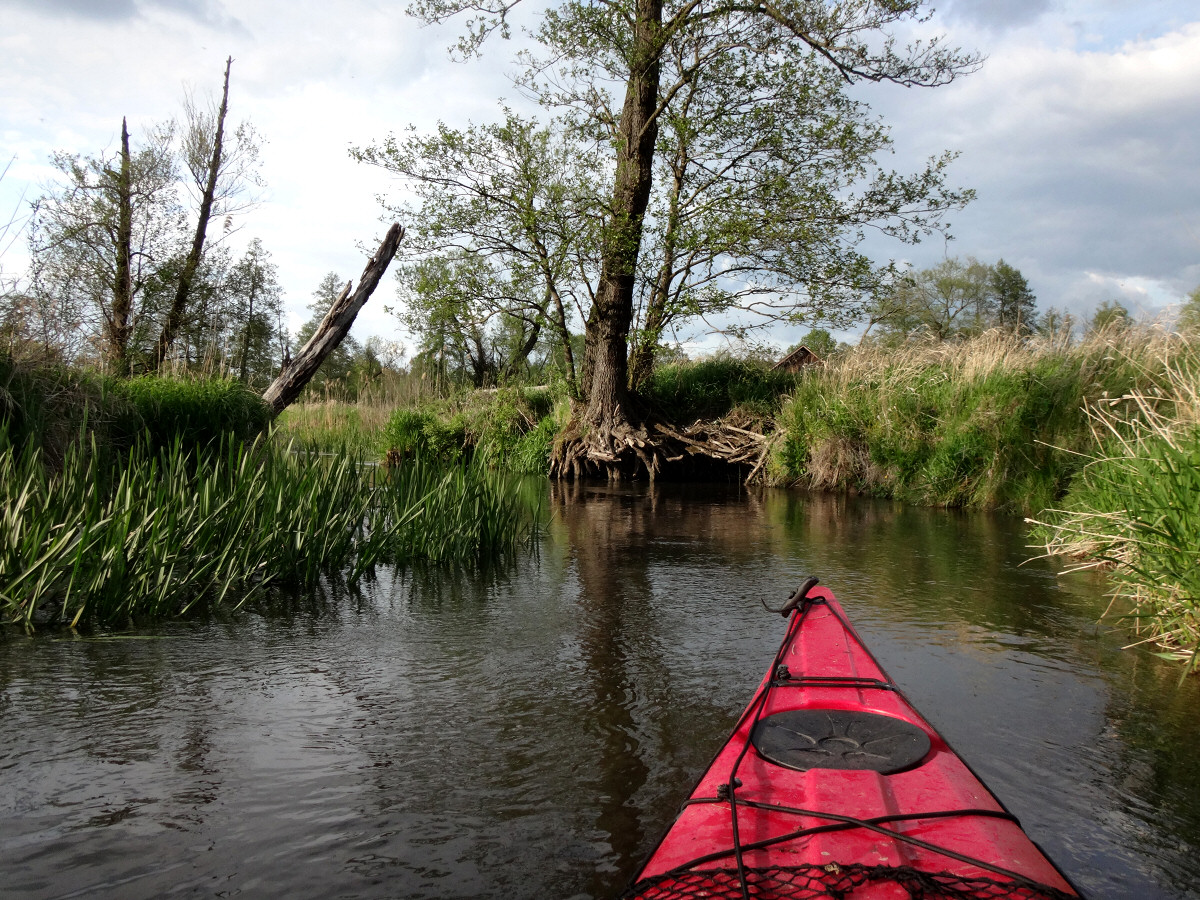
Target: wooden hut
[(797, 360)]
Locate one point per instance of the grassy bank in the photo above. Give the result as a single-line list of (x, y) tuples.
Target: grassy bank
[(988, 423), (1134, 508), (505, 429), (48, 406), (1099, 442), (170, 529)]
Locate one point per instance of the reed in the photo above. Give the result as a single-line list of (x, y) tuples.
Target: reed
[(171, 529), (326, 425), (1134, 510)]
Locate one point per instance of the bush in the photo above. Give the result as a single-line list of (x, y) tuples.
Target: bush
[(712, 388), (197, 412), (412, 432), (507, 429)]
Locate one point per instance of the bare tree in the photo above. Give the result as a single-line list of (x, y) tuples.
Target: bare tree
[(334, 327), (219, 177)]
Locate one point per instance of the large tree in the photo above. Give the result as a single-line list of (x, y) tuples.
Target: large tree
[(766, 181), (1016, 304), (952, 299), (255, 303), (619, 47)]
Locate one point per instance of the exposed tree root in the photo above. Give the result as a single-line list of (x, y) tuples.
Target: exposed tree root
[(657, 448)]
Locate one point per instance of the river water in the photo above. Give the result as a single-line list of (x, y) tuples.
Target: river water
[(529, 731)]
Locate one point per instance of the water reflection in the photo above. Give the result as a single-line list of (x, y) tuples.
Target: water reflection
[(528, 731)]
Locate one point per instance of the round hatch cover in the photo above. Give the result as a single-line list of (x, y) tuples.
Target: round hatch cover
[(839, 739)]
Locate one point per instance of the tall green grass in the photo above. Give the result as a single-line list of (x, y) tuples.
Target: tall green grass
[(1134, 510), (48, 405), (994, 422), (711, 388), (171, 528), (331, 425), (195, 411), (506, 429)]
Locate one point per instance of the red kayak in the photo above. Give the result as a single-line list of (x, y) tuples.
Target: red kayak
[(832, 785)]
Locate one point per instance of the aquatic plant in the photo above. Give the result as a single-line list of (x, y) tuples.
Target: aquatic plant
[(169, 529)]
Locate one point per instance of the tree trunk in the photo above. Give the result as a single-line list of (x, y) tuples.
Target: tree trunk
[(564, 337), (183, 288), (607, 334), (333, 328), (243, 369), (608, 432), (642, 362), (122, 306)]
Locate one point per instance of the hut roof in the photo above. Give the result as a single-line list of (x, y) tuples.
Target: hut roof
[(798, 358)]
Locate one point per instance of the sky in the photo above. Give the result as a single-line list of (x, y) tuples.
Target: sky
[(1080, 133)]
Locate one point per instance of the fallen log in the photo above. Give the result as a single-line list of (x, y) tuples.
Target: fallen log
[(333, 328)]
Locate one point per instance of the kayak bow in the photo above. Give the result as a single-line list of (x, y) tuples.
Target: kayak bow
[(832, 785)]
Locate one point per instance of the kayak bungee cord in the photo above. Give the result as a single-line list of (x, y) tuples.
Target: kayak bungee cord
[(810, 880)]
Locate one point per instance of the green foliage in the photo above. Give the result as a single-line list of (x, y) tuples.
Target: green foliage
[(48, 405), (711, 388), (956, 299), (752, 183), (510, 429), (420, 433), (1016, 305), (1135, 509), (820, 342), (1110, 314), (1189, 314), (196, 412), (503, 239), (172, 529), (991, 423)]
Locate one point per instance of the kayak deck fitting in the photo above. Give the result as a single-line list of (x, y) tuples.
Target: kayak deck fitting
[(832, 785)]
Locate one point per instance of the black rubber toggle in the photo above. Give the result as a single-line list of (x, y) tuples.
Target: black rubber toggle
[(805, 739)]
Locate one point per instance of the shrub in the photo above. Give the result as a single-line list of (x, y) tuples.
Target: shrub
[(197, 412), (711, 388)]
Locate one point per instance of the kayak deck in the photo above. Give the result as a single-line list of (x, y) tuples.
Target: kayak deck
[(832, 785)]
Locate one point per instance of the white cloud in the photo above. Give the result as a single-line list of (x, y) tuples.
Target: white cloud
[(1082, 150), (1084, 161)]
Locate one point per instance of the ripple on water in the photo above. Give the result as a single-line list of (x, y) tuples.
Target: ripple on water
[(529, 733)]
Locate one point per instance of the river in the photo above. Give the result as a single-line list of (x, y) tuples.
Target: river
[(529, 731)]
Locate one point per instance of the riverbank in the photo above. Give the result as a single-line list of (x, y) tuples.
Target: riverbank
[(1095, 441), (1090, 439), (128, 501)]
